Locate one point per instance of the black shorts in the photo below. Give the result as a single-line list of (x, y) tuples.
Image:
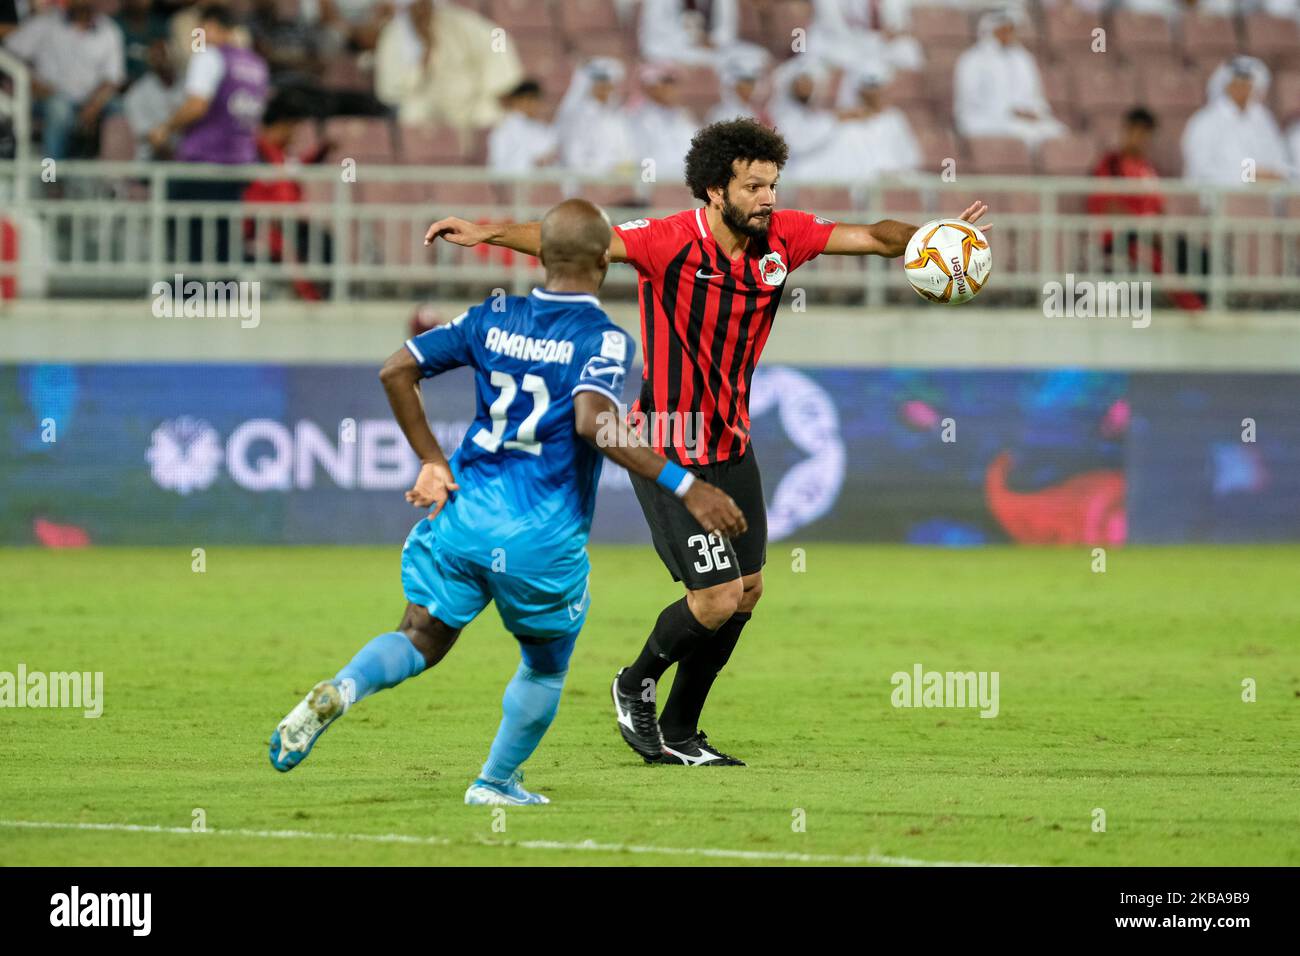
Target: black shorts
[(688, 553)]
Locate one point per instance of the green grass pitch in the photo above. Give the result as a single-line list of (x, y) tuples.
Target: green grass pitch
[(1119, 691)]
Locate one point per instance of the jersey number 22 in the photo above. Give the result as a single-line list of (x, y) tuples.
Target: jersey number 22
[(526, 436)]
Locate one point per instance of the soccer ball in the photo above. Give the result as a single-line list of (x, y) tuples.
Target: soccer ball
[(948, 261)]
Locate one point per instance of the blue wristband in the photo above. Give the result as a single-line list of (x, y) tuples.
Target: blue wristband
[(676, 479)]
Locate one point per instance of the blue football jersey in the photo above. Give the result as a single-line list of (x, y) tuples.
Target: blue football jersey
[(527, 480)]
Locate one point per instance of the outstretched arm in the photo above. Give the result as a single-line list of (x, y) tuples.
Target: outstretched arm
[(523, 237), (885, 238), (597, 420), (401, 379)]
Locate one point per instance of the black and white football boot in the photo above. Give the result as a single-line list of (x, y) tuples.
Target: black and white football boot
[(638, 722), (696, 752)]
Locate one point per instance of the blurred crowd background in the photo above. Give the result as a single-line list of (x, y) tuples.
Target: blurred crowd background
[(859, 87)]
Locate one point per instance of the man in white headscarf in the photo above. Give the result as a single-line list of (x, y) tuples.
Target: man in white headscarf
[(873, 139), (692, 32), (595, 137), (661, 126), (997, 89), (1233, 138), (800, 115), (743, 90), (848, 33)]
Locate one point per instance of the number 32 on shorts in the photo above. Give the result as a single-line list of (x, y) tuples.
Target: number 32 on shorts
[(712, 550)]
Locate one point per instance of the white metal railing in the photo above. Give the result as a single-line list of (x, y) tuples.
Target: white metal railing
[(111, 226), (17, 106)]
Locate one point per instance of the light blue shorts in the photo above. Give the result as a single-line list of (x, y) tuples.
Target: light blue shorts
[(545, 611)]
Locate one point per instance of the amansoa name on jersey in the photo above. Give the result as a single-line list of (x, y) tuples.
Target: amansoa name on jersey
[(527, 480), (705, 319)]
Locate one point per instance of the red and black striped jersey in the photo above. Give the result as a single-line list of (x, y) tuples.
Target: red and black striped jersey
[(704, 321)]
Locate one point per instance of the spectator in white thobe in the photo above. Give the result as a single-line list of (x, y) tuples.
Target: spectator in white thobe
[(743, 90), (1233, 137), (661, 127), (592, 125), (848, 33), (523, 140), (692, 32), (997, 89), (802, 116), (873, 139)]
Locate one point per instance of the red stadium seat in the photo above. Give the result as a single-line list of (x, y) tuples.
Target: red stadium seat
[(1183, 204), (1275, 40), (1248, 206), (1068, 31), (1163, 89), (433, 145), (751, 23), (1135, 35), (823, 199), (938, 144), (942, 26), (1167, 146), (1071, 155), (582, 16), (1114, 89), (1286, 95), (999, 155), (1208, 37), (1058, 87), (672, 196), (604, 43), (783, 20), (521, 15), (361, 138), (461, 195), (700, 89), (907, 91), (902, 202), (540, 53)]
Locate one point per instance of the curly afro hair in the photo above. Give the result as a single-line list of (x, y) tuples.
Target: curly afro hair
[(718, 145)]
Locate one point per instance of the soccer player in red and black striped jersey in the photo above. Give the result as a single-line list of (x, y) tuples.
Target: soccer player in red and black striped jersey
[(711, 279)]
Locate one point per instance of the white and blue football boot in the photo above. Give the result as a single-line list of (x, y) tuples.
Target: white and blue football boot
[(486, 793), (296, 734)]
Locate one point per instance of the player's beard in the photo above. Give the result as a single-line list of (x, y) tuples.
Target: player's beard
[(753, 227)]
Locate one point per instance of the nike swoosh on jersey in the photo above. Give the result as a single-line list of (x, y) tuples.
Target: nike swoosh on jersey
[(699, 274)]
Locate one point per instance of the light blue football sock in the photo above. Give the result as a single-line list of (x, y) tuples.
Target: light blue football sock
[(528, 707), (385, 662)]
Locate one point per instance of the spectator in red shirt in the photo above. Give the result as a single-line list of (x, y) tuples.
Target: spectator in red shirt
[(284, 114), (1131, 161)]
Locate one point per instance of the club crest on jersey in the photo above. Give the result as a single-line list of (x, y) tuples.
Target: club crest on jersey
[(771, 269)]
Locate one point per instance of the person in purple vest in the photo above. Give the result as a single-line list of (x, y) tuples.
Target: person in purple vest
[(226, 88)]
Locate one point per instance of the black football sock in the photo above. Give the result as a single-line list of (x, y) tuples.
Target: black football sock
[(695, 675), (675, 635)]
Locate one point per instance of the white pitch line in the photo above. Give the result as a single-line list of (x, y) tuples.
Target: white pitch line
[(586, 845)]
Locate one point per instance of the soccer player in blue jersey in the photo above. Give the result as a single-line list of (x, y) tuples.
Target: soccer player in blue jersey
[(510, 513)]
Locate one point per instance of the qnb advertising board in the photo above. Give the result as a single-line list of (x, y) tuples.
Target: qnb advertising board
[(168, 454)]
